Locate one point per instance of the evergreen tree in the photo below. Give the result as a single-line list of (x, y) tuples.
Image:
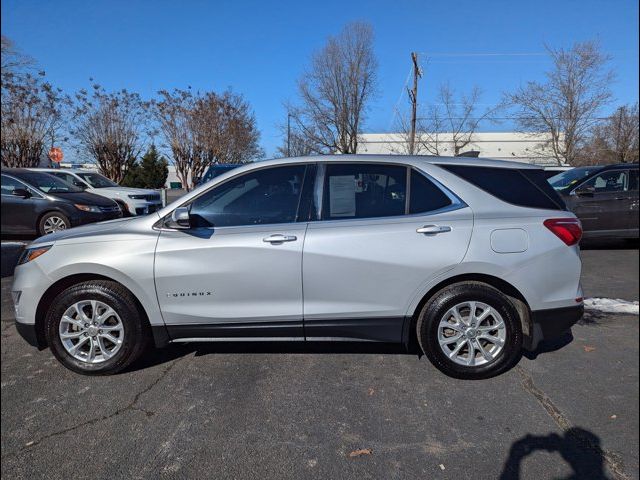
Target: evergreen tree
[(150, 172)]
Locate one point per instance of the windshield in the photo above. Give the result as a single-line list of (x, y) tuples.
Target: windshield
[(96, 180), (571, 177), (48, 183)]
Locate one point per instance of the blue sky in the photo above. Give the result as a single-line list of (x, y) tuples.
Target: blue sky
[(260, 48)]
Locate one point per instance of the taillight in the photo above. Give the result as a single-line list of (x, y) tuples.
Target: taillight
[(569, 230)]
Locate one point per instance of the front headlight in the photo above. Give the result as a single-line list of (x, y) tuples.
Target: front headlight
[(88, 208), (137, 196), (30, 254)]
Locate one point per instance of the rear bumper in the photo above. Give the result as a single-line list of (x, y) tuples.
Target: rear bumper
[(550, 324)]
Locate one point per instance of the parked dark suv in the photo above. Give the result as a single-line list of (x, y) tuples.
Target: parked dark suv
[(36, 202), (605, 199)]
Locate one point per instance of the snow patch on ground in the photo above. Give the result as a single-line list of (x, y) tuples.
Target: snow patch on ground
[(612, 305)]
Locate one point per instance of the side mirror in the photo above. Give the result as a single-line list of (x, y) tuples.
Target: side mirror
[(22, 193), (586, 191), (180, 219), (80, 185)]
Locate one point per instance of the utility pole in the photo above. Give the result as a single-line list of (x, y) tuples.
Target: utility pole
[(288, 134), (413, 98)]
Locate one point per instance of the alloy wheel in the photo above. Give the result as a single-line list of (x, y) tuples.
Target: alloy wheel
[(472, 333), (91, 331)]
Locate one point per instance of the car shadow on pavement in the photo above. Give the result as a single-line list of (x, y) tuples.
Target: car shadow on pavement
[(158, 356), (578, 447)]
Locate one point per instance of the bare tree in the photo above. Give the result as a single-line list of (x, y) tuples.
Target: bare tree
[(334, 92), (451, 122), (13, 60), (566, 105), (109, 127), (615, 140), (174, 111), (208, 128), (621, 131), (32, 118)]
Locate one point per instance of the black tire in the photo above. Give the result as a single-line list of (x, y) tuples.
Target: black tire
[(48, 217), (136, 330), (444, 300), (124, 208)]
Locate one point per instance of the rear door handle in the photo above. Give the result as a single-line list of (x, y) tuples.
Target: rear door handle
[(279, 238), (433, 229)]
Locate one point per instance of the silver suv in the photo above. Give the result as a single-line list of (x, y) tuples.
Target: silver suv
[(469, 260)]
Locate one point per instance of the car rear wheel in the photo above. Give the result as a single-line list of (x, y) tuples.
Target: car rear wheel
[(470, 330), (53, 222), (94, 328)]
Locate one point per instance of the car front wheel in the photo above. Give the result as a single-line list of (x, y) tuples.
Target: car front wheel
[(94, 328), (53, 222), (470, 330)]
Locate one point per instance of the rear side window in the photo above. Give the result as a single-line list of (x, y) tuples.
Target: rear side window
[(364, 191), (522, 187), (425, 196)]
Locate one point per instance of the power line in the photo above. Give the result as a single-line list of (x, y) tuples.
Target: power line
[(484, 54)]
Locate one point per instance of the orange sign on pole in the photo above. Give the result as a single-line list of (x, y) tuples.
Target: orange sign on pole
[(55, 154)]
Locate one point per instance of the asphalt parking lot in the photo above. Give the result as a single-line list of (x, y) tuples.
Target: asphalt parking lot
[(570, 410)]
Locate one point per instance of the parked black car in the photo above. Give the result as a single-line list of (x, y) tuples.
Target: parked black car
[(604, 198), (36, 202)]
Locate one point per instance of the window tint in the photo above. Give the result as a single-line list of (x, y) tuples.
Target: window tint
[(48, 183), (265, 196), (364, 191), (96, 180), (522, 187), (67, 177), (610, 181), (9, 185), (633, 179), (425, 195)]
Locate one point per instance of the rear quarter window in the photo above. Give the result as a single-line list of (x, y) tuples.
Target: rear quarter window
[(523, 187)]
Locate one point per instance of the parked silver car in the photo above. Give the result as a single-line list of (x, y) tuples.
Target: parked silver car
[(471, 259)]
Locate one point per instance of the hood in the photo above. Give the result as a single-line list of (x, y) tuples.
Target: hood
[(100, 231), (83, 198), (121, 191)]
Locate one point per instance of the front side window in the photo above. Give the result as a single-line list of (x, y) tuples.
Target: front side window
[(266, 196), (606, 182), (48, 183), (9, 185), (364, 191)]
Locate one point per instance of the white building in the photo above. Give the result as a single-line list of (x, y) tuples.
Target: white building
[(520, 147)]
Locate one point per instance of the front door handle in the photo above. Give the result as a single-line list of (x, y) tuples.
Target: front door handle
[(433, 229), (279, 238)]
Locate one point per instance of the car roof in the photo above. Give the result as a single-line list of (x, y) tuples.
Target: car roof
[(435, 160), (64, 169)]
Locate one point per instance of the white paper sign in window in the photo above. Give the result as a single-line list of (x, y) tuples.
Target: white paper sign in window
[(342, 196)]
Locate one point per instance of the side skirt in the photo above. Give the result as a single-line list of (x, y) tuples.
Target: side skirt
[(386, 330)]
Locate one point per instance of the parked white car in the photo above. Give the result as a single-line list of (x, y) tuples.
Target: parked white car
[(132, 201)]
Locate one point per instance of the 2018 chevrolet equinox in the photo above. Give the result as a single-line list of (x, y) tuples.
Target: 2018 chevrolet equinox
[(475, 259)]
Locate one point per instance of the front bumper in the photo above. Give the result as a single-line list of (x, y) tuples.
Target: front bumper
[(91, 217), (550, 324), (137, 207)]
